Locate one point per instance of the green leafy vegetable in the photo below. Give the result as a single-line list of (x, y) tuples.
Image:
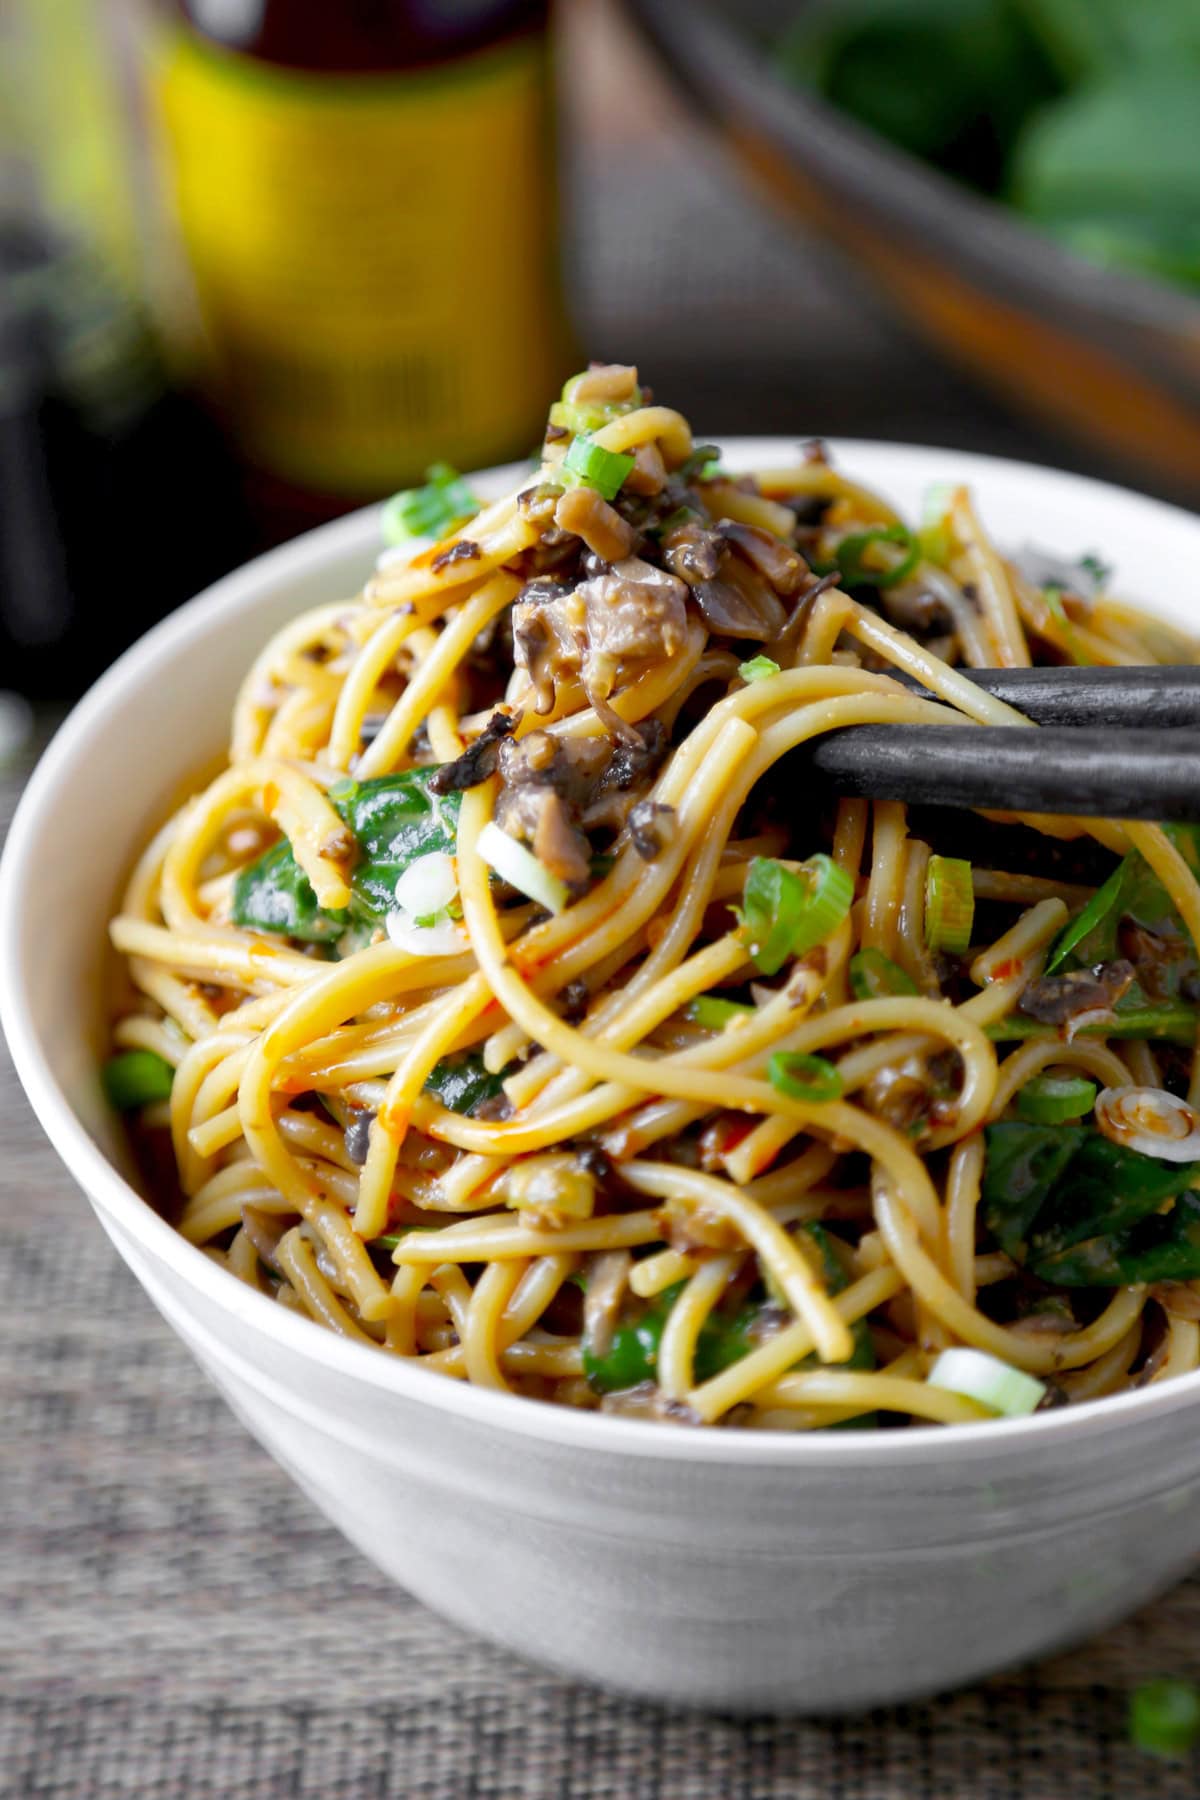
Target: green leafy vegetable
[(851, 553), (632, 1353), (714, 1013), (462, 1083), (786, 912), (1133, 895), (950, 80), (1168, 1024), (395, 819), (1164, 1717), (874, 976), (429, 511), (949, 904), (1055, 1099), (274, 894), (136, 1078), (759, 668), (725, 1337), (1081, 1211), (804, 1077), (1079, 929), (591, 465)]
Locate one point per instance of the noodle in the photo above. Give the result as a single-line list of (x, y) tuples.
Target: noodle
[(523, 1016)]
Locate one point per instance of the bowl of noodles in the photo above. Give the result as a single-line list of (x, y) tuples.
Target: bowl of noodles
[(726, 1242)]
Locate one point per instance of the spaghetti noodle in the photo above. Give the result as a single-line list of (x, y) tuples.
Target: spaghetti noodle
[(523, 1011)]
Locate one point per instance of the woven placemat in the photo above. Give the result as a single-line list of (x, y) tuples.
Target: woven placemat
[(182, 1624)]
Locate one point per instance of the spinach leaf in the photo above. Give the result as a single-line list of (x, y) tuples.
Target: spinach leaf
[(632, 1353), (724, 1338), (395, 818), (1024, 1164), (1073, 1208), (863, 1354), (1112, 168), (274, 894), (1106, 1189), (1133, 895), (462, 1083), (1162, 1247)]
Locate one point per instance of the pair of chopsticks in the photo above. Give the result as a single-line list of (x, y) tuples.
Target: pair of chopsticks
[(1119, 743)]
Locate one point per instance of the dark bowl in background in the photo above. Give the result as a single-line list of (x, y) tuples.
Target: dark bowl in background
[(1111, 359)]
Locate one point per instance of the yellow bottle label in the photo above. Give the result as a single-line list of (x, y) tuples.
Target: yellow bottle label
[(373, 257)]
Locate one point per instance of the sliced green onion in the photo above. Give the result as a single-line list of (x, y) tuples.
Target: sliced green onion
[(850, 553), (137, 1078), (1054, 1099), (1097, 568), (1168, 1024), (758, 668), (430, 511), (713, 1013), (949, 904), (704, 463), (785, 913), (593, 466), (934, 535), (521, 868), (803, 1077), (1164, 1717), (995, 1384), (570, 415), (392, 1240), (1085, 922), (1053, 597), (874, 976)]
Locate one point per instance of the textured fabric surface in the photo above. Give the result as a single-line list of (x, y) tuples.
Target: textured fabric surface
[(179, 1623)]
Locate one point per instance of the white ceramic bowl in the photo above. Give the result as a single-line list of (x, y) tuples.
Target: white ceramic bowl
[(731, 1570)]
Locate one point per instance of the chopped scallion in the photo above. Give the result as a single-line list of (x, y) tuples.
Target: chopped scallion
[(759, 668), (949, 904), (874, 976), (786, 912), (521, 868), (802, 1077), (591, 465), (1085, 922), (995, 1384), (1054, 1099), (430, 511), (135, 1078), (714, 1013), (572, 416), (850, 557)]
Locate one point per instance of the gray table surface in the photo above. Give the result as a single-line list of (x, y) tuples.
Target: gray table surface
[(179, 1621)]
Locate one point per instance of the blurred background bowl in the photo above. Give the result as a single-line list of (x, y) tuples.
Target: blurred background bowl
[(1109, 357)]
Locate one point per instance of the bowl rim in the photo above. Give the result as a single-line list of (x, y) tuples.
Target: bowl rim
[(115, 1198), (703, 34)]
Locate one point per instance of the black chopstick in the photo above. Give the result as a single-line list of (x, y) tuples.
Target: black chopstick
[(1141, 699), (1113, 774)]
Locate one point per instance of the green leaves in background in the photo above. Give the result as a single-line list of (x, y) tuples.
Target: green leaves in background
[(1082, 113)]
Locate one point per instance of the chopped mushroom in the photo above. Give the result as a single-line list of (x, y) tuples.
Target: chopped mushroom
[(634, 614), (478, 760), (600, 525), (1063, 999)]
